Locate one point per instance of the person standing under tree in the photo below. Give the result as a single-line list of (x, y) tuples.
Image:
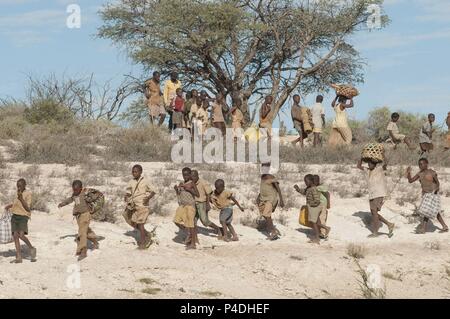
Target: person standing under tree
[(154, 99), (266, 118), (219, 108), (341, 133), (299, 115), (318, 118), (170, 93)]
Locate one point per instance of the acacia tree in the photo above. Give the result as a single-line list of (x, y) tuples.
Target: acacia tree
[(243, 48)]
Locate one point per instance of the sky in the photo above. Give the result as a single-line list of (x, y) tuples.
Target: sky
[(407, 66)]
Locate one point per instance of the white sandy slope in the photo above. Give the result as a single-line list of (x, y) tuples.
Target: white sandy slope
[(251, 268)]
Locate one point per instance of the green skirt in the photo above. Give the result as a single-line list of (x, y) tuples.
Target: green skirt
[(19, 224)]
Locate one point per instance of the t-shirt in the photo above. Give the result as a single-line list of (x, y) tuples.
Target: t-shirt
[(179, 104), (317, 111), (423, 138), (341, 120), (223, 200), (323, 189), (267, 191), (312, 197), (377, 183), (143, 190), (154, 90), (217, 113), (204, 189), (17, 208), (393, 128), (170, 91), (81, 206)]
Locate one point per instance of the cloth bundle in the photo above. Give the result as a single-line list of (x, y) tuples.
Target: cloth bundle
[(5, 228)]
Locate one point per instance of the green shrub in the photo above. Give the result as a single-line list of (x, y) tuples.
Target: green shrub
[(45, 111)]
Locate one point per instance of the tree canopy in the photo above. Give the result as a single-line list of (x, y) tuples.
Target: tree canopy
[(243, 48)]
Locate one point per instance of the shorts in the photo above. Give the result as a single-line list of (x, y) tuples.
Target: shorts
[(314, 213), (226, 215), (202, 214), (185, 215), (138, 216), (19, 224), (376, 204), (156, 110), (266, 209)]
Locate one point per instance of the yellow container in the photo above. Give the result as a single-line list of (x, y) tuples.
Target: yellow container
[(303, 217)]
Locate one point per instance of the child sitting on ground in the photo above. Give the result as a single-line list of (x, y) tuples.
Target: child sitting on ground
[(224, 201), (314, 208), (394, 132)]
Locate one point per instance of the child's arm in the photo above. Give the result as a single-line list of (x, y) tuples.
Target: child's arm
[(409, 176), (328, 197), (438, 184), (333, 104), (66, 202), (191, 188), (24, 203), (236, 203), (359, 165), (277, 187), (8, 207), (299, 190)]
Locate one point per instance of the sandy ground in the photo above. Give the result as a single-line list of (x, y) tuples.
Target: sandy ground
[(411, 266)]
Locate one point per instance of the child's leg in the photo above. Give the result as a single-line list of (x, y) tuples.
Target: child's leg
[(441, 220), (30, 246), (375, 222), (18, 248), (320, 226), (83, 225), (423, 226), (225, 231), (233, 233), (269, 225), (316, 238), (142, 235), (192, 242)]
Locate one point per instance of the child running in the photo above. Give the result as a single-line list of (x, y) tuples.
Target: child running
[(377, 193), (82, 213), (325, 202), (314, 208), (268, 199), (426, 136), (202, 203), (21, 213), (224, 200), (185, 214), (430, 207), (138, 194)]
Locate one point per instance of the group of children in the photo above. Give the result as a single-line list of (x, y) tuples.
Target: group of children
[(196, 199)]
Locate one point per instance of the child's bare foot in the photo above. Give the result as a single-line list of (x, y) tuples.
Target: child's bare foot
[(327, 231), (235, 238), (444, 230), (16, 261), (188, 240), (95, 244), (314, 241), (374, 235), (83, 255), (226, 239), (191, 247)]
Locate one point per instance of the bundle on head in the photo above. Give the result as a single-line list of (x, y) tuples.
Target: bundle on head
[(373, 152), (345, 90)]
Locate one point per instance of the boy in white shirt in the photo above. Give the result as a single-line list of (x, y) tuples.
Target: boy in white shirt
[(377, 193)]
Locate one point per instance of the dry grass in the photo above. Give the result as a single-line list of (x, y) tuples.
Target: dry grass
[(356, 251), (151, 291), (40, 200)]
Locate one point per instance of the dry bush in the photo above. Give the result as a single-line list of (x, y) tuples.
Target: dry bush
[(107, 214), (40, 200), (356, 251), (367, 291), (31, 174), (142, 144), (12, 122)]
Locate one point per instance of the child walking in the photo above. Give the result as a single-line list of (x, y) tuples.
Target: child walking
[(139, 192), (426, 136), (21, 213), (185, 214), (224, 201), (82, 213), (430, 207), (325, 202), (394, 132), (377, 193), (314, 208), (268, 199)]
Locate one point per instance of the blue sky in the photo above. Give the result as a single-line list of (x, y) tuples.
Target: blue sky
[(407, 62)]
